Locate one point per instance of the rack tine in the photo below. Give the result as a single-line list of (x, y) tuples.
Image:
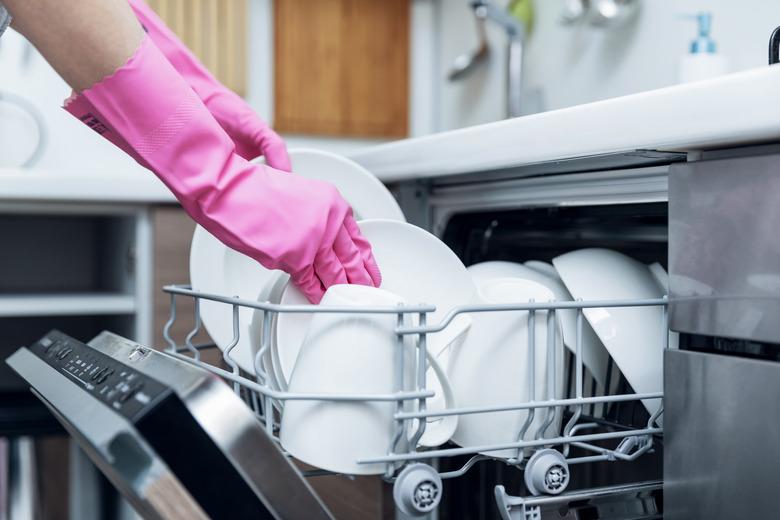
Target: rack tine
[(226, 354), (551, 369), (265, 341), (194, 332), (169, 324), (578, 380), (531, 369), (422, 369), (398, 375), (463, 469)]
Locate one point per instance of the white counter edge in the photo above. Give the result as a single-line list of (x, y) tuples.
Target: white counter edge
[(732, 110), (134, 187)]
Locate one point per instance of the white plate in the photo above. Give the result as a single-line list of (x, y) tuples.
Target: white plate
[(415, 265), (216, 268), (542, 267), (491, 368), (594, 356), (632, 335)]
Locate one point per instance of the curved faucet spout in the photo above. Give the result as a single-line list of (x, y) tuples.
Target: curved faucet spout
[(515, 31)]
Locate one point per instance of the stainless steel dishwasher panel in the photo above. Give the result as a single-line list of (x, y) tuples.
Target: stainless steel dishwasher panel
[(724, 254), (721, 425)]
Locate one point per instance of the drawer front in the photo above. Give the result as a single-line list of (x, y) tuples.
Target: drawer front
[(721, 425)]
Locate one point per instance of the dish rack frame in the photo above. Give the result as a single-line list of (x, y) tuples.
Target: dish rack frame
[(417, 484)]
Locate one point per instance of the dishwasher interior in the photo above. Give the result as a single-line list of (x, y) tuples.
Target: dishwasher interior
[(638, 230)]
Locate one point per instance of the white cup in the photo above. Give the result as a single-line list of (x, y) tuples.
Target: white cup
[(352, 354), (491, 368)]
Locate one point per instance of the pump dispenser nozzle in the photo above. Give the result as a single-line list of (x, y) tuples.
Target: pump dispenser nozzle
[(702, 60), (704, 42)]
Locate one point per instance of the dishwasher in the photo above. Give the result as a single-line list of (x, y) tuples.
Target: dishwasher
[(709, 218)]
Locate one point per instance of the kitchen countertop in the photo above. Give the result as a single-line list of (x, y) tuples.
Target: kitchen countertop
[(737, 109), (137, 186)]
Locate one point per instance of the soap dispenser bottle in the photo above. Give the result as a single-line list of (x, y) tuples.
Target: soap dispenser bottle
[(702, 61)]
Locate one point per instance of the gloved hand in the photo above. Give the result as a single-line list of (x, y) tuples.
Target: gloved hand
[(251, 134), (283, 221)]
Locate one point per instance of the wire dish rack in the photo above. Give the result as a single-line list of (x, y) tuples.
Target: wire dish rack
[(546, 459)]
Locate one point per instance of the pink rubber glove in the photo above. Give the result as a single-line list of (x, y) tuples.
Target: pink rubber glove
[(283, 221), (251, 134)]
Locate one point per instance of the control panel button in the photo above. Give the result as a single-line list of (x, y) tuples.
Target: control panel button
[(142, 398)]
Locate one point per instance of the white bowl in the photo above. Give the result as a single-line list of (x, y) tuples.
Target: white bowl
[(352, 354), (594, 356), (492, 368), (633, 335), (542, 267)]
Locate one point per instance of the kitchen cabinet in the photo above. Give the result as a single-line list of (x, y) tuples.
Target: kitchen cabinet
[(215, 31), (80, 268), (341, 67)]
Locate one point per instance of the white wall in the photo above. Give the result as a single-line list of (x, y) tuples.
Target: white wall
[(481, 96), (579, 64), (71, 145)]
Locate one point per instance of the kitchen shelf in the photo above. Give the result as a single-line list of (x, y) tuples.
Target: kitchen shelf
[(58, 304)]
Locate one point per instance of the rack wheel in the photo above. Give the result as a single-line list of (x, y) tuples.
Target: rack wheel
[(546, 472), (417, 490)]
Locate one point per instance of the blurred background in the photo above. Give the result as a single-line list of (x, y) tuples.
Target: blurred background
[(344, 74)]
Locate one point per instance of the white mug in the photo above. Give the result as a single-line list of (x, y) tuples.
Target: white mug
[(491, 368), (352, 354)]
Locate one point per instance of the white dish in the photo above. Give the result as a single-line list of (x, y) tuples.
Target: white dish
[(366, 194), (632, 335), (594, 356), (216, 268), (542, 267), (415, 265), (491, 368), (359, 351)]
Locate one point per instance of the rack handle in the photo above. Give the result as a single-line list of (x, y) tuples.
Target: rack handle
[(774, 47)]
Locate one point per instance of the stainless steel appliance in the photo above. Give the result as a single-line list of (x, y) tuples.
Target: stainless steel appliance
[(722, 389), (172, 437)]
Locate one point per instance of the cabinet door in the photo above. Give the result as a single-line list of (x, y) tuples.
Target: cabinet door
[(215, 31), (341, 67)]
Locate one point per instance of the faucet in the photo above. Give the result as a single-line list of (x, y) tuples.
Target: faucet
[(515, 31)]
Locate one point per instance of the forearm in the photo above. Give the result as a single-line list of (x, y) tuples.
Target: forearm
[(84, 41)]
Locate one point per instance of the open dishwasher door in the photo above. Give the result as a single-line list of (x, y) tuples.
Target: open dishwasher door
[(173, 438)]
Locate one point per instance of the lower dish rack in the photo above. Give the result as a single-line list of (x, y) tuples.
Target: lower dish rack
[(546, 459)]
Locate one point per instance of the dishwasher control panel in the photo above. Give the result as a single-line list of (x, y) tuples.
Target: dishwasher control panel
[(124, 389)]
